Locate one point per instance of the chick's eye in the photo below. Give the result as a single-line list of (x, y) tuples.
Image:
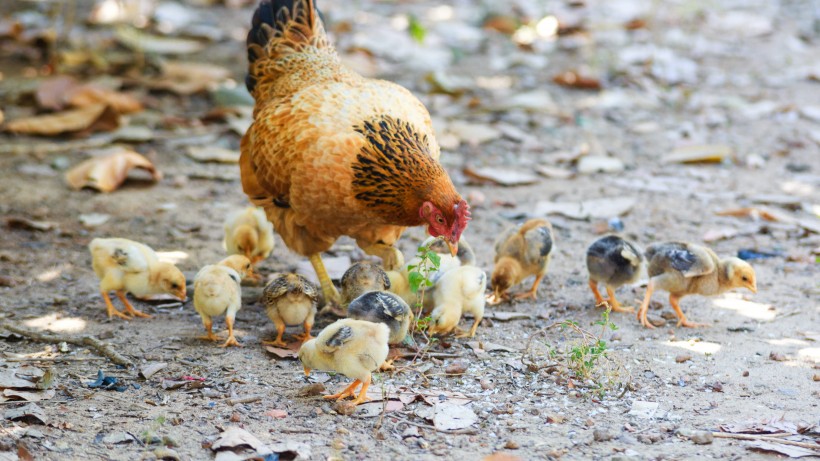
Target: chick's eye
[(745, 279), (174, 285)]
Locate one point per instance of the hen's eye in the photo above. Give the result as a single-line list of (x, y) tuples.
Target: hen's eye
[(439, 219), (247, 266)]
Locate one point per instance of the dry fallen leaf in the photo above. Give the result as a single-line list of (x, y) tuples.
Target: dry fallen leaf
[(595, 208), (501, 177), (28, 396), (292, 352), (755, 213), (107, 173), (573, 79), (789, 450), (90, 94), (707, 153), (147, 43), (450, 417), (213, 154), (19, 222), (277, 414), (554, 173), (185, 78), (85, 120)]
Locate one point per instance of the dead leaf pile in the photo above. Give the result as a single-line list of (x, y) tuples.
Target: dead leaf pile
[(27, 384), (63, 91), (236, 444), (77, 122)]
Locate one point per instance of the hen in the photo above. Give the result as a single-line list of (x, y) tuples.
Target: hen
[(332, 153)]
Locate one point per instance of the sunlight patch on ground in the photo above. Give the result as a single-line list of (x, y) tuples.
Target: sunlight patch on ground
[(811, 354), (787, 342), (440, 13), (757, 311), (694, 345), (58, 325), (172, 257)]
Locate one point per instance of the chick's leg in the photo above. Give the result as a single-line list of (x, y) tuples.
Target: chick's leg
[(645, 305), (208, 323), (532, 293), (330, 292), (593, 285), (682, 321), (280, 331), (231, 341), (616, 306), (109, 307), (306, 336), (129, 308), (346, 392), (362, 397)]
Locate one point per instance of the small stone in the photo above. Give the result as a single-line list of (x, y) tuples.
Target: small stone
[(556, 419), (343, 408), (236, 417), (486, 384), (668, 315), (511, 445), (456, 368), (602, 435), (337, 444), (589, 422), (814, 378), (656, 321), (702, 437), (777, 357), (746, 373), (311, 390), (683, 358)]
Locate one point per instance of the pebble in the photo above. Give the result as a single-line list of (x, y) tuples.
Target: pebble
[(511, 445), (702, 437), (602, 435), (683, 358)]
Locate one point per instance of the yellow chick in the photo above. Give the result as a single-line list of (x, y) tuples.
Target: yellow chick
[(217, 291), (685, 268), (351, 347), (248, 232), (458, 291), (361, 278), (614, 262), (522, 251), (290, 299), (126, 266)]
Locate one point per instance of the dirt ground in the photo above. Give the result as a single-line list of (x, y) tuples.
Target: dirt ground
[(737, 75)]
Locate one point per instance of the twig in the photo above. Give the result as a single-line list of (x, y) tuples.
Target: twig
[(88, 341), (766, 438), (437, 355), (52, 359), (248, 399)]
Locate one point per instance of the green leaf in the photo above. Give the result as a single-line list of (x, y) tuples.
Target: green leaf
[(416, 29), (415, 279), (434, 258)]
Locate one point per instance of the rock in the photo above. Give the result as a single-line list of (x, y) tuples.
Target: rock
[(590, 164), (683, 358), (702, 437), (602, 435), (311, 390)]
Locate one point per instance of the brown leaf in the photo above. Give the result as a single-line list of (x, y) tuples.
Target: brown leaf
[(292, 352), (573, 79), (140, 41), (82, 121), (683, 358), (107, 173), (501, 456), (707, 153), (90, 94), (22, 452), (186, 78), (51, 94), (456, 368), (311, 390), (506, 25), (213, 154), (18, 222), (789, 450), (754, 213), (277, 414), (777, 357), (772, 426)]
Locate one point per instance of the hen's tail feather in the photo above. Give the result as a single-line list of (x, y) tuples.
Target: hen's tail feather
[(279, 28)]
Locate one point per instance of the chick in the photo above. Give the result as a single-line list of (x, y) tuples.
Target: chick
[(383, 307), (351, 347), (361, 278), (458, 291), (685, 268), (290, 299), (248, 232), (126, 266), (217, 291), (520, 252), (613, 261)]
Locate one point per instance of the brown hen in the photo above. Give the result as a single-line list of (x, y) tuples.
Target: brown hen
[(332, 153)]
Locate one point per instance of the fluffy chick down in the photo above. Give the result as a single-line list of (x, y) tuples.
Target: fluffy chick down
[(520, 252), (351, 347), (613, 261), (290, 299), (363, 277), (459, 291), (248, 232), (217, 291), (383, 307)]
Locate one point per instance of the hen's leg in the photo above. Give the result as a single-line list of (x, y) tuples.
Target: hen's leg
[(330, 292), (616, 306), (109, 307), (347, 392), (533, 292), (645, 305), (392, 259), (208, 323), (682, 321), (593, 285), (129, 308), (280, 330), (231, 341)]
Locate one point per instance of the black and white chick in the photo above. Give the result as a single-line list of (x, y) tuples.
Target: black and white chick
[(613, 261)]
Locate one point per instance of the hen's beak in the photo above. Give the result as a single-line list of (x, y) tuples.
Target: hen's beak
[(453, 247), (307, 371)]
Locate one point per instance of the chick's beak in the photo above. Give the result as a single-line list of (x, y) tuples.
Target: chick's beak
[(453, 247), (307, 371), (752, 286), (182, 295)]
